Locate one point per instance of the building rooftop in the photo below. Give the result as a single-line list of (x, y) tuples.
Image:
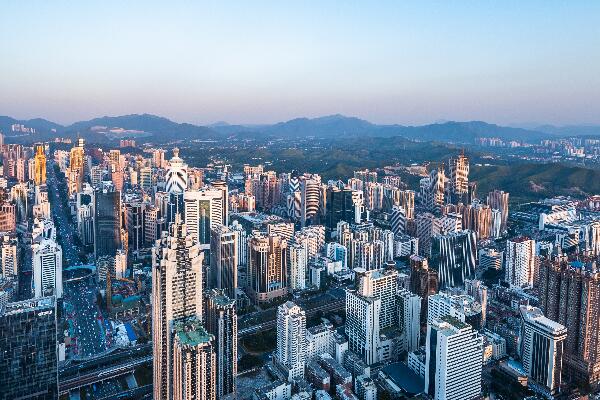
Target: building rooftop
[(191, 332)]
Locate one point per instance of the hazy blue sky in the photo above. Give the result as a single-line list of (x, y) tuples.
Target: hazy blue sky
[(251, 62)]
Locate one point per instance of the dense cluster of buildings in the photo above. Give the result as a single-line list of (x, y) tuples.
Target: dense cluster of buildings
[(442, 287)]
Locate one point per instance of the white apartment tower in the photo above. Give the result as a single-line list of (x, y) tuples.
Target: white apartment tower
[(47, 269), (298, 266), (362, 325), (409, 318), (291, 340), (519, 260), (454, 360)]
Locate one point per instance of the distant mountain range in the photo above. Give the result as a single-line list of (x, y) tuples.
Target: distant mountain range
[(147, 127)]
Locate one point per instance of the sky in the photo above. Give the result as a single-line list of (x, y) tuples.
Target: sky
[(413, 62)]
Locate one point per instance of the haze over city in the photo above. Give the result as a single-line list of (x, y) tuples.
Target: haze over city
[(512, 62)]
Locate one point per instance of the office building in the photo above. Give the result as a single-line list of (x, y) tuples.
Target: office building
[(454, 360), (454, 256), (39, 163), (47, 269), (29, 356), (541, 348), (311, 190), (383, 285), (177, 296), (107, 221), (9, 260), (224, 260), (203, 212), (460, 306), (220, 319)]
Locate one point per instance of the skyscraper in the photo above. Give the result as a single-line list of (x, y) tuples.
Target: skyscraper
[(362, 325), (432, 188), (383, 285), (267, 267), (569, 293), (498, 200), (177, 177), (454, 257), (194, 362), (520, 261), (177, 296), (107, 221), (459, 177), (291, 340), (40, 165), (423, 282), (454, 360), (312, 199), (298, 266), (224, 260), (221, 321), (203, 212), (409, 318), (29, 357), (76, 168), (47, 269), (541, 347)]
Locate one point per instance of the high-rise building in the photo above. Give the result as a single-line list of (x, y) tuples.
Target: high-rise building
[(312, 199), (9, 260), (520, 261), (541, 347), (569, 293), (432, 189), (220, 319), (298, 266), (454, 360), (409, 318), (203, 212), (224, 260), (362, 325), (459, 177), (383, 285), (134, 223), (454, 256), (267, 267), (498, 200), (343, 205), (76, 168), (29, 356), (177, 177), (39, 176), (423, 282), (460, 306), (47, 269), (194, 372), (107, 221), (291, 340), (177, 296), (222, 186)]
